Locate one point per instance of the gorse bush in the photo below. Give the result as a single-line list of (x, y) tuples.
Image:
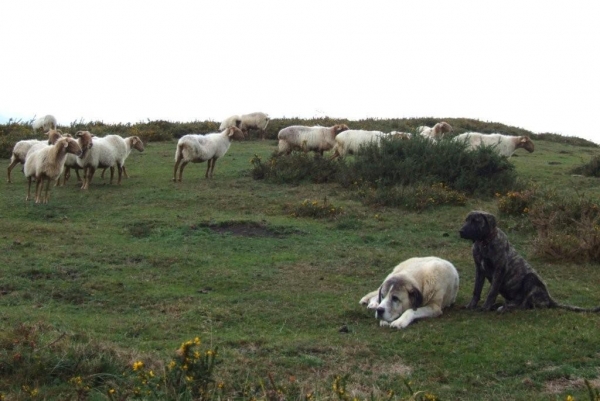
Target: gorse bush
[(568, 228), (417, 197), (516, 203), (315, 209), (591, 169)]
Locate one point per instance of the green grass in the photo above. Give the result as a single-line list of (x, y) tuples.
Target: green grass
[(141, 267)]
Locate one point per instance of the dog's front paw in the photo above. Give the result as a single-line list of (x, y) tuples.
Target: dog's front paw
[(400, 323), (373, 304), (383, 323)]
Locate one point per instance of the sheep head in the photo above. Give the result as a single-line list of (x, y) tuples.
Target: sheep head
[(235, 133), (339, 128), (441, 128), (137, 144), (70, 145), (525, 143), (85, 141)]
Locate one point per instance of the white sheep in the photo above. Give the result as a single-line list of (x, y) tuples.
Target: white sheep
[(436, 132), (505, 145), (108, 151), (197, 148), (85, 140), (257, 121), (316, 139), (21, 148), (47, 122), (46, 164), (350, 141), (132, 142), (233, 121)]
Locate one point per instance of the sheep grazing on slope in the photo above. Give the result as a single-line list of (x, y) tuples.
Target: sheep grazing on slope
[(47, 122), (350, 141), (436, 132), (316, 139), (505, 145), (46, 164), (108, 151), (21, 148), (208, 148), (246, 122), (85, 141)]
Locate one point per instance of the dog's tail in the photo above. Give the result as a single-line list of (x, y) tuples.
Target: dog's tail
[(554, 304)]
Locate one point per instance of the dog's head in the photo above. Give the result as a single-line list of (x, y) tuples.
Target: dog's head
[(396, 295), (479, 226)]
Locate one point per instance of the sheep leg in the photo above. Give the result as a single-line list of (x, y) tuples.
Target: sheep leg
[(208, 162), (112, 173), (12, 165), (47, 194), (78, 176), (103, 171), (120, 171), (177, 162), (181, 170), (38, 189), (29, 179), (211, 167), (125, 172), (88, 177)]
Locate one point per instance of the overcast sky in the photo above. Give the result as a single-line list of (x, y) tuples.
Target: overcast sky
[(531, 64)]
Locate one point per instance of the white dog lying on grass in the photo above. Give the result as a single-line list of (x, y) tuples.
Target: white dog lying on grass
[(417, 288)]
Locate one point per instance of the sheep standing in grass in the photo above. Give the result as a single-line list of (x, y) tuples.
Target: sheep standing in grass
[(46, 164), (85, 141), (436, 132), (246, 122), (108, 151), (21, 148), (132, 142), (505, 145), (316, 139), (350, 141), (47, 122), (208, 148)]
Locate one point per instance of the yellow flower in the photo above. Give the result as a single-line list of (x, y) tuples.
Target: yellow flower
[(570, 398), (189, 378), (138, 365), (197, 340), (111, 391), (172, 364), (151, 374), (220, 385)]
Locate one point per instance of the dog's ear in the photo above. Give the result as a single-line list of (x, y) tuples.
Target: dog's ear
[(415, 297), (380, 295), (490, 219)]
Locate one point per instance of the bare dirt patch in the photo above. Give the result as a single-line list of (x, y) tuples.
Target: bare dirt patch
[(250, 229)]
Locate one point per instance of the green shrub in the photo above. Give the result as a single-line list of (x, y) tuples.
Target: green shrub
[(295, 168), (315, 209), (417, 197), (420, 161), (516, 203), (591, 169)]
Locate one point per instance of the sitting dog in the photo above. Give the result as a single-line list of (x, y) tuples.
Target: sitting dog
[(417, 288), (508, 273)]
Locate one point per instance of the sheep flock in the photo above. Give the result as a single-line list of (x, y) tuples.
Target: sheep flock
[(47, 160)]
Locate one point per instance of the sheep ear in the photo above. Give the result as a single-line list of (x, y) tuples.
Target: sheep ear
[(523, 140)]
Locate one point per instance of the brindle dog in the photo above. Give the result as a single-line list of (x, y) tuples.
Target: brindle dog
[(508, 273)]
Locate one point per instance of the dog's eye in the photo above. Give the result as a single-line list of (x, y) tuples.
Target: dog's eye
[(395, 299)]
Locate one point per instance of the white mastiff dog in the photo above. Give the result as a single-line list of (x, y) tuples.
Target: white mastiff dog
[(417, 288)]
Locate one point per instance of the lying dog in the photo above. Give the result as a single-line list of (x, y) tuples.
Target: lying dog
[(508, 273), (417, 288)]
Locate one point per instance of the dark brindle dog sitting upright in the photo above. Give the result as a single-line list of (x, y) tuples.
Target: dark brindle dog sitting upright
[(508, 273)]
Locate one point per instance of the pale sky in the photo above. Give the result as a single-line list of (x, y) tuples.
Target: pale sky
[(531, 64)]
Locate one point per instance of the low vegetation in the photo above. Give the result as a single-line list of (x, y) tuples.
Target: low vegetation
[(246, 286)]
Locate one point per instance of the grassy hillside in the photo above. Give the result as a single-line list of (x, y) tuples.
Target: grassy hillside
[(97, 280)]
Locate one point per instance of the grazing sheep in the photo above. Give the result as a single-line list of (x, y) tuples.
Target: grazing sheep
[(350, 141), (505, 145), (47, 122), (436, 132), (197, 148), (257, 121), (85, 141), (46, 164), (108, 151), (299, 137), (21, 148), (233, 121)]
